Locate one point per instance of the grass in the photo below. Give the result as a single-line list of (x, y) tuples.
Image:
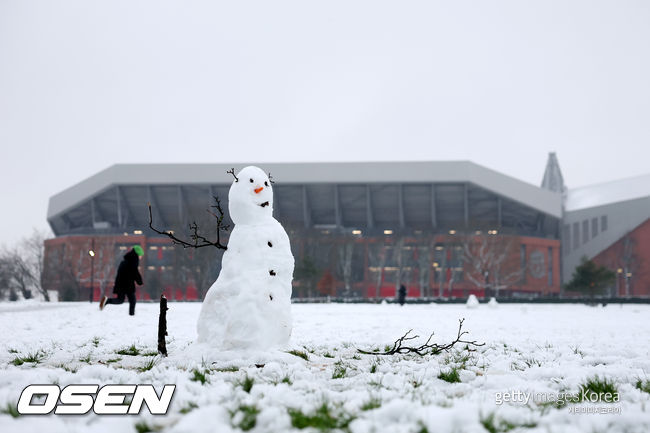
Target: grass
[(150, 353), (299, 354), (371, 404), (67, 368), (33, 358), (200, 376), (328, 355), (531, 362), (450, 376), (603, 390), (129, 351), (499, 425), (148, 365), (247, 383), (85, 359), (13, 351), (287, 380), (10, 409), (248, 418), (340, 370), (143, 427), (643, 385), (324, 418), (109, 361), (229, 369), (189, 407), (95, 341), (373, 368)]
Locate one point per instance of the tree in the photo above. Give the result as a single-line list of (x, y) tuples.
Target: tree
[(590, 278), (377, 255), (489, 261), (307, 274)]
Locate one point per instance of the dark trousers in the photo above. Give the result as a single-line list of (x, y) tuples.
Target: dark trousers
[(120, 300)]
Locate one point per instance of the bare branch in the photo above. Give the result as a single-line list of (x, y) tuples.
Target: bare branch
[(198, 240), (427, 348), (232, 171), (271, 178)]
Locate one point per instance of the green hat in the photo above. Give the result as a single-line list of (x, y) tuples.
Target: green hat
[(138, 250)]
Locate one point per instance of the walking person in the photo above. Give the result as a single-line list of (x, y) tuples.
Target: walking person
[(125, 280), (401, 295)]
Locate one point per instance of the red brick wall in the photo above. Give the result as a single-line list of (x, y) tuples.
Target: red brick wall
[(631, 255)]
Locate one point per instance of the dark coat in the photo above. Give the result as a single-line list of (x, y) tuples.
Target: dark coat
[(127, 274), (401, 295)]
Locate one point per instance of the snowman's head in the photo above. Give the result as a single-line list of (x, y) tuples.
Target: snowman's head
[(250, 199)]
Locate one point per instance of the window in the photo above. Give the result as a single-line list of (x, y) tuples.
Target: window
[(585, 231), (550, 266), (566, 239), (594, 227), (522, 259), (603, 223), (576, 235)]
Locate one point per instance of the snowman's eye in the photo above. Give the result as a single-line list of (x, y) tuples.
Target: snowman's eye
[(266, 183), (251, 180)]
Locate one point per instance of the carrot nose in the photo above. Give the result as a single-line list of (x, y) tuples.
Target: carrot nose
[(258, 190)]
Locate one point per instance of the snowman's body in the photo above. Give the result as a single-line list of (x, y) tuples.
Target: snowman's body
[(249, 306)]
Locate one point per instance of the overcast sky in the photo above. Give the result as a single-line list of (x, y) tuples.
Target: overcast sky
[(87, 84)]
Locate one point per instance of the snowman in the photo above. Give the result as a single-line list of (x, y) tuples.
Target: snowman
[(249, 306)]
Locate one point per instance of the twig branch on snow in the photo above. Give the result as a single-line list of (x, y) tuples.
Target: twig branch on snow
[(427, 348), (198, 241)]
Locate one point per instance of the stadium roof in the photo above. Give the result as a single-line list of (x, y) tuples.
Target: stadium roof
[(607, 193), (313, 173)]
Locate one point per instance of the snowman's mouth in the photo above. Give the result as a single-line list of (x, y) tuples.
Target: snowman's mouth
[(265, 204)]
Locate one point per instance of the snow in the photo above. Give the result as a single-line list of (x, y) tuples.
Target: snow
[(546, 349), (472, 301), (249, 306), (492, 303), (607, 193)]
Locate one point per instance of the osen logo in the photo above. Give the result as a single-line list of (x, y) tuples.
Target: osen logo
[(109, 400)]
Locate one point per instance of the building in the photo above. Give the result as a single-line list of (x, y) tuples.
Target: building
[(357, 229)]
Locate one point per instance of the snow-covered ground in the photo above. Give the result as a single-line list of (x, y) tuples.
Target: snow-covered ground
[(546, 350)]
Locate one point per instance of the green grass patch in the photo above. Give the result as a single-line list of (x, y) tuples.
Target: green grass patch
[(287, 380), (33, 358), (643, 385), (450, 376), (85, 359), (148, 365), (95, 341), (129, 351), (328, 355), (373, 368), (371, 404), (499, 425), (299, 354), (596, 389), (67, 368), (200, 376), (10, 409), (246, 383), (110, 361), (13, 350), (324, 418), (144, 427), (229, 369), (340, 370), (150, 353), (248, 418), (189, 407)]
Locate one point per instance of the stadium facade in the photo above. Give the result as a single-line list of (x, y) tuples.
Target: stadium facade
[(442, 229)]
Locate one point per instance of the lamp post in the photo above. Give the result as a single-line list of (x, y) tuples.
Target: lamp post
[(91, 253)]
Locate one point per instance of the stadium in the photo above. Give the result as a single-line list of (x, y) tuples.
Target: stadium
[(443, 229)]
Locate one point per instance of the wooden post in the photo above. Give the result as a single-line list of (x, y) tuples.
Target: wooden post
[(162, 326)]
